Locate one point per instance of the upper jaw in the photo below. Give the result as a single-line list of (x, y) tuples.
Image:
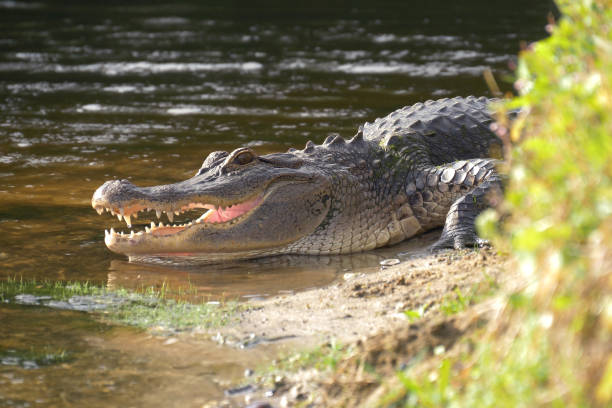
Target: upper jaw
[(126, 201)]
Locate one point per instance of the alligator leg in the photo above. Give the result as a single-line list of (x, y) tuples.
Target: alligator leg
[(478, 185)]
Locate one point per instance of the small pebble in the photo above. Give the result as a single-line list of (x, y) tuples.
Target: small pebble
[(390, 262), (240, 390), (259, 404)]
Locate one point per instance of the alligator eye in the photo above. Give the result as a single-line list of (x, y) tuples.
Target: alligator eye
[(244, 158)]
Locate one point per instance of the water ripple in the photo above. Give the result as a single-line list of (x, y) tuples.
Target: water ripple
[(141, 67)]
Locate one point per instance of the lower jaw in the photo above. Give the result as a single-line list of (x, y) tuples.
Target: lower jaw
[(198, 258)]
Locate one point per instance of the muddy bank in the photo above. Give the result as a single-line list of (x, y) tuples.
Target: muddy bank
[(363, 304), (388, 319)]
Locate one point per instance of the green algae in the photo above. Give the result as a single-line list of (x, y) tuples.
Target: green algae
[(34, 357), (149, 308)]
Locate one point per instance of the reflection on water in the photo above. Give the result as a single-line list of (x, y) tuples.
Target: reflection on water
[(260, 277), (144, 91)]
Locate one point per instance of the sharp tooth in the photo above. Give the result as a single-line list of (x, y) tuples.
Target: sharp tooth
[(132, 234), (177, 212), (112, 231), (112, 212), (152, 224), (135, 215), (161, 224), (170, 216), (121, 233), (128, 221), (119, 217), (205, 215), (100, 210), (158, 213), (121, 211), (106, 233), (147, 229)]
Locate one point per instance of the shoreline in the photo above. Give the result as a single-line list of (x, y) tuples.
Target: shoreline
[(394, 314)]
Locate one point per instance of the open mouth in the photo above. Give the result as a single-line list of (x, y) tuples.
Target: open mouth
[(195, 212)]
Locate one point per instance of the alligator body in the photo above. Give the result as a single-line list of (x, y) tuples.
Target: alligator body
[(421, 167)]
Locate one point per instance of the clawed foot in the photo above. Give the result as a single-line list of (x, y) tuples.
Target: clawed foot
[(459, 241)]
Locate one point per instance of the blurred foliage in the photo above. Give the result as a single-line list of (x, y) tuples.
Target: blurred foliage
[(559, 197), (553, 344)]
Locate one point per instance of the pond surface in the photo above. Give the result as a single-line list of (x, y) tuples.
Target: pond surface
[(145, 91)]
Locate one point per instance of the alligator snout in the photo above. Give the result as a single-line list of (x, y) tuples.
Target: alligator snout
[(111, 191)]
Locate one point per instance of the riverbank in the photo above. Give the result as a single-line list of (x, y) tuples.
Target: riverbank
[(342, 339)]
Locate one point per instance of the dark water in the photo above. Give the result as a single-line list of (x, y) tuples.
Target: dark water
[(145, 90)]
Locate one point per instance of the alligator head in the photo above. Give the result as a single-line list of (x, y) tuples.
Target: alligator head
[(241, 206)]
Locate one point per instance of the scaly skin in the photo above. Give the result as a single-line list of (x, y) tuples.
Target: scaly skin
[(418, 168)]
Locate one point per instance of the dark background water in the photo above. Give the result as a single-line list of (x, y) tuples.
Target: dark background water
[(91, 91)]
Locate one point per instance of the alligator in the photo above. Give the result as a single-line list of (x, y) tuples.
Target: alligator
[(421, 167)]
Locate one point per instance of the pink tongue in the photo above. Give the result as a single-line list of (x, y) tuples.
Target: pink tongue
[(223, 215)]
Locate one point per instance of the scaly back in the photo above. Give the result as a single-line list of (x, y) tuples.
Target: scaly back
[(437, 132)]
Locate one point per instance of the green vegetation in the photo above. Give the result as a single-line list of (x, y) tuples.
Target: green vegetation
[(150, 307), (487, 379), (454, 303), (176, 315), (32, 358), (59, 290), (457, 301), (415, 314), (322, 358), (12, 287), (553, 344)]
